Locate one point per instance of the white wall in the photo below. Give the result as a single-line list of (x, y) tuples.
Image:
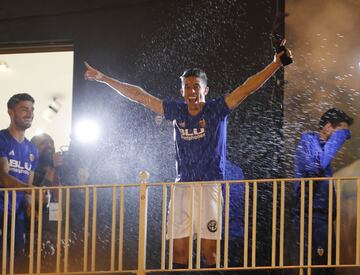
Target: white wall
[(44, 76)]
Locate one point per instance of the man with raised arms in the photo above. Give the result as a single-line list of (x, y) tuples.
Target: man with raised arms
[(200, 143)]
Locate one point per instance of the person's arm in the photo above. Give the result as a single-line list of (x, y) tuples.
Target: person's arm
[(333, 145), (50, 175), (7, 180), (254, 82), (131, 92), (27, 202), (31, 178)]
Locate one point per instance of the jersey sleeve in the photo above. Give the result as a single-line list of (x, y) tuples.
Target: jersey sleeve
[(172, 109), (312, 161), (3, 146), (333, 145), (221, 107)]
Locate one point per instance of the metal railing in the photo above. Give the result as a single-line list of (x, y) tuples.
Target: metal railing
[(116, 216)]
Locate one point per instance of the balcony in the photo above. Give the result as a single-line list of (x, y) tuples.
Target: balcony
[(128, 228)]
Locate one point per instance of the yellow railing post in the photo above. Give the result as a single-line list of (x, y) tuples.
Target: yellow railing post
[(246, 224), (254, 217), (121, 228), (5, 232), (142, 223), (163, 226), (226, 229), (302, 219), (357, 257), (171, 222), (274, 222), (93, 231)]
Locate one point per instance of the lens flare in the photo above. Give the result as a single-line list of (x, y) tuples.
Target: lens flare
[(87, 131)]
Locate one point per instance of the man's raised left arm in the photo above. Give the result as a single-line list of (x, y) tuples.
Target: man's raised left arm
[(254, 82)]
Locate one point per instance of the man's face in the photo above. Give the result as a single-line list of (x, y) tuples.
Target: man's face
[(22, 115), (194, 91)]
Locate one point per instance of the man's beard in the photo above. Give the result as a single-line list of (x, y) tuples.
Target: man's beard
[(22, 125)]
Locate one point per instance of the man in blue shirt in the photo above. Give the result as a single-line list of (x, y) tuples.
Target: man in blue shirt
[(314, 154), (18, 160), (200, 144)]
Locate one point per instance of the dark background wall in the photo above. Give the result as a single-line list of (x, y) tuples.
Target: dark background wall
[(150, 43)]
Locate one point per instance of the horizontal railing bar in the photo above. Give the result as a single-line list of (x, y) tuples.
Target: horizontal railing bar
[(207, 269), (254, 268), (134, 271), (177, 183)]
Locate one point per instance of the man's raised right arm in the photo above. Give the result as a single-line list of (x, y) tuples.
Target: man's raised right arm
[(131, 92)]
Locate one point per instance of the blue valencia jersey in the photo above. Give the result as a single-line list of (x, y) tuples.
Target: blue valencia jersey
[(313, 159), (22, 158), (200, 141)]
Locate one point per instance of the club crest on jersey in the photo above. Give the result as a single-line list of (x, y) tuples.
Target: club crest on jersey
[(181, 124), (31, 157), (202, 123), (212, 226)]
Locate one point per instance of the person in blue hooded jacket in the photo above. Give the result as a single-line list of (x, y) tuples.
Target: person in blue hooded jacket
[(313, 157)]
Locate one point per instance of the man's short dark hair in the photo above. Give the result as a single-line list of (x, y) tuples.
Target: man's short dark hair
[(196, 72), (15, 99), (335, 117)]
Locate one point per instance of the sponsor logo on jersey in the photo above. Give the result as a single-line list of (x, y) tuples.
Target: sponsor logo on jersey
[(202, 123), (192, 134), (12, 153), (212, 226), (188, 134), (17, 167)]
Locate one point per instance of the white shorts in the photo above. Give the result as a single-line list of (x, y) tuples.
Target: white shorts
[(209, 223)]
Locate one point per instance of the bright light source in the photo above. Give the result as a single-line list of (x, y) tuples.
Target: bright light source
[(87, 131)]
